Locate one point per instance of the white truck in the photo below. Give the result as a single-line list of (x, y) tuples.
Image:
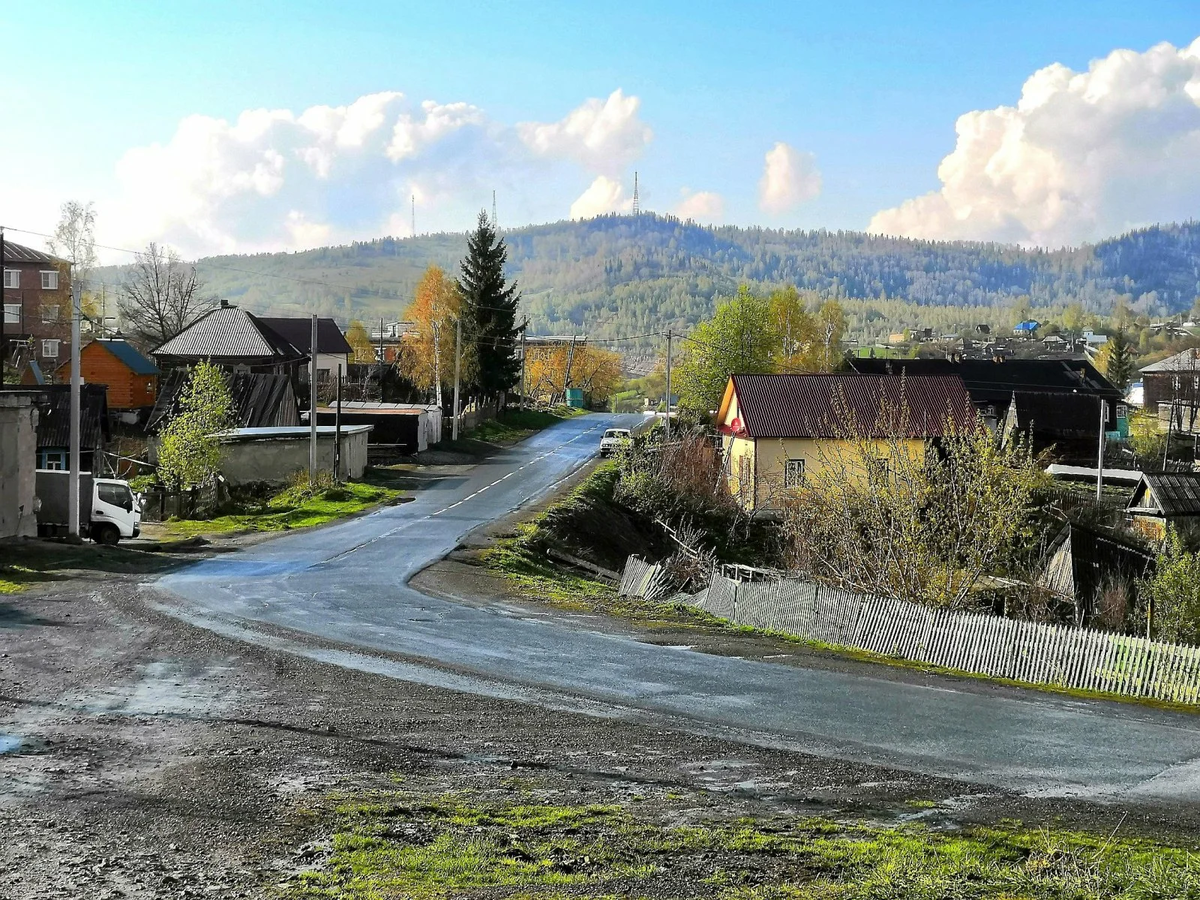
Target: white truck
[(108, 508)]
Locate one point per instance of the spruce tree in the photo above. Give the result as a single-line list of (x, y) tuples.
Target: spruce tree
[(489, 314), (1117, 360)]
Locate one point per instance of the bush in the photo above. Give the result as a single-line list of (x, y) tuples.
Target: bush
[(1174, 594)]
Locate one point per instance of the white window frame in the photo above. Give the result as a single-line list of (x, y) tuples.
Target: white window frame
[(48, 343), (12, 279), (12, 313), (50, 314), (59, 460), (49, 279), (793, 474)]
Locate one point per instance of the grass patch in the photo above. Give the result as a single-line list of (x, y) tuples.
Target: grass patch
[(399, 844), (297, 506), (518, 424)]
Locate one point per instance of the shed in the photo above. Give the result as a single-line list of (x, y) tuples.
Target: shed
[(132, 379), (1083, 564), (406, 427), (276, 454), (1163, 497), (54, 424)]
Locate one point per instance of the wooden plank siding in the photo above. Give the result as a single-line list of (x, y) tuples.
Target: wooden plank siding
[(126, 390)]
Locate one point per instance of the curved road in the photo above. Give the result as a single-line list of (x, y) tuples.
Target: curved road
[(348, 584)]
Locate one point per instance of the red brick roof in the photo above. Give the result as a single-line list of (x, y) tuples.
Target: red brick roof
[(809, 406)]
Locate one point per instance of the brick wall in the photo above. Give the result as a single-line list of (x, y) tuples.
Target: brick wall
[(44, 314)]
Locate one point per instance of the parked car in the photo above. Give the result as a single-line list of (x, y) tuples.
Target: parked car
[(108, 509), (615, 440)]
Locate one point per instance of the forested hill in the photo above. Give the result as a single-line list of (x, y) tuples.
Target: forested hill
[(621, 275)]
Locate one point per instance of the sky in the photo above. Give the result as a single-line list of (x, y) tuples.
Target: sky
[(235, 127)]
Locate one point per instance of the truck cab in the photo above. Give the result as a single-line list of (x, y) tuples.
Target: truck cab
[(116, 512)]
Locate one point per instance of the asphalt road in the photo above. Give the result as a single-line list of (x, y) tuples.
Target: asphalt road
[(346, 585)]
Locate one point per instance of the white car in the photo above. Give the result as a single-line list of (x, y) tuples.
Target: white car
[(615, 440)]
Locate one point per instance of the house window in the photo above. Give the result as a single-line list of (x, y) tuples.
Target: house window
[(12, 313), (1122, 411), (793, 473), (50, 314), (52, 459), (50, 349), (49, 280), (12, 278)]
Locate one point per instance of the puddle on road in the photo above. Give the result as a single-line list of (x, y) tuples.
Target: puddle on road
[(9, 743)]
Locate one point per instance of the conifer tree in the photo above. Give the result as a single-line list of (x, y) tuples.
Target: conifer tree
[(489, 314), (1117, 360)]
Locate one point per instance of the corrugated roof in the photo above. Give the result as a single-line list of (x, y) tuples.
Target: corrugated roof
[(1174, 493), (54, 416), (298, 332), (811, 405), (1184, 361), (20, 253), (130, 356), (226, 332), (995, 382)]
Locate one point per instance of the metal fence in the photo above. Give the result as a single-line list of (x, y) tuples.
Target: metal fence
[(967, 642)]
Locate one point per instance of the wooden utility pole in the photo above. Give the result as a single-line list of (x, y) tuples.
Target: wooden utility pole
[(524, 328), (312, 405), (1100, 451), (337, 430), (457, 375), (670, 336)]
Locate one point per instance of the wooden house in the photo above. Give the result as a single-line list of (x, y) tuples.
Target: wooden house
[(1163, 498), (778, 430), (132, 379)]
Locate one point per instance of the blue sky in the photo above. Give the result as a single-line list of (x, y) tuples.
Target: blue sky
[(866, 94)]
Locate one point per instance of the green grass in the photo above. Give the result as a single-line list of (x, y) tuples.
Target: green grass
[(292, 508), (518, 424), (399, 844)]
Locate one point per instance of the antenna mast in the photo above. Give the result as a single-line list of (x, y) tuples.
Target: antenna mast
[(495, 226), (637, 208)]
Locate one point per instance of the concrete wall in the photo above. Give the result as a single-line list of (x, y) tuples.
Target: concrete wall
[(277, 459), (18, 458)]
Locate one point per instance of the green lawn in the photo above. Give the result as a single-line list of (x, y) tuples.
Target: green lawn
[(292, 508)]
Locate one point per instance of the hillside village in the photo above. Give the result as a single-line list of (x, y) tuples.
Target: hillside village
[(796, 518)]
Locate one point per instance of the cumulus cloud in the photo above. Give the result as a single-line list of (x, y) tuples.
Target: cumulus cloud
[(1082, 155), (602, 135), (604, 195), (789, 178), (274, 179), (702, 206)]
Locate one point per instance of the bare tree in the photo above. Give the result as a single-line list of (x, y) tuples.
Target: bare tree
[(75, 239), (161, 296)]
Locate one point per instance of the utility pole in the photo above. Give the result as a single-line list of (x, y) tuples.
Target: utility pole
[(1100, 451), (337, 430), (76, 386), (524, 328), (312, 405), (567, 373), (670, 335), (457, 375)]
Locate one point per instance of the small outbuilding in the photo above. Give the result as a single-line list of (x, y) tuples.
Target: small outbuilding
[(276, 454), (132, 379), (404, 428), (1163, 498)]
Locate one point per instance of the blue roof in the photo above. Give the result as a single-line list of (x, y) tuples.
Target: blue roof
[(1027, 325), (128, 354)]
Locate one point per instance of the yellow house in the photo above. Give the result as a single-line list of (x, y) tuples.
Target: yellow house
[(779, 429)]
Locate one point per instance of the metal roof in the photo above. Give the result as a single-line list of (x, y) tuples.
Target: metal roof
[(994, 383), (54, 416), (14, 253), (130, 356), (804, 406), (1185, 361), (229, 332), (295, 433), (1170, 493), (297, 331)]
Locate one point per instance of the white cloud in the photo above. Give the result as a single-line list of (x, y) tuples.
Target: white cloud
[(604, 195), (789, 178), (274, 179), (601, 135), (702, 206), (1082, 155)]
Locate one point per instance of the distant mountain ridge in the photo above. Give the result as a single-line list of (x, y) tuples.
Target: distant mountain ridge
[(620, 274)]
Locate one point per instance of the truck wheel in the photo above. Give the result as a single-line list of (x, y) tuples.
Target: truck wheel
[(108, 535)]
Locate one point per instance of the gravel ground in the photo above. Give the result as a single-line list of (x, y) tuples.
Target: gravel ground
[(142, 757)]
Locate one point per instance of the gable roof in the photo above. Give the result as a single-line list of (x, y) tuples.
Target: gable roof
[(297, 331), (129, 355), (1184, 361), (15, 253), (54, 416), (808, 406), (1170, 493), (994, 383), (229, 331)]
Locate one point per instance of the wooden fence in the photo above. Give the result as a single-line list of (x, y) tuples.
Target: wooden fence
[(968, 642)]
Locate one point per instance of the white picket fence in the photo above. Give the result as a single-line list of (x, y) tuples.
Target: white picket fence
[(967, 642)]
